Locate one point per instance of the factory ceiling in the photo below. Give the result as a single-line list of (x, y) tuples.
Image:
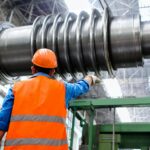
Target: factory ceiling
[(23, 12)]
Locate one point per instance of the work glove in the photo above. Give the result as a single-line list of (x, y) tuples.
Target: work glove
[(92, 79), (95, 79)]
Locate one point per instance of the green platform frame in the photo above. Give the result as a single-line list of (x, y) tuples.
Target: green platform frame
[(133, 135)]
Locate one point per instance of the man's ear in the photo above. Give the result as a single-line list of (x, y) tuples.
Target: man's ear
[(51, 72), (33, 69)]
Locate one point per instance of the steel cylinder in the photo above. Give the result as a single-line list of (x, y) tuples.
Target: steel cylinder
[(145, 39), (15, 51), (125, 42), (82, 43)]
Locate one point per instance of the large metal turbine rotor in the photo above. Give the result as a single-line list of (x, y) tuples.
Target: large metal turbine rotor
[(83, 43)]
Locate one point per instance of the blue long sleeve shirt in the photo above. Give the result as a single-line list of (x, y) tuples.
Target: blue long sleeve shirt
[(73, 90)]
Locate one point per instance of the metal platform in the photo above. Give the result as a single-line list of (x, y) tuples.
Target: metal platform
[(111, 136)]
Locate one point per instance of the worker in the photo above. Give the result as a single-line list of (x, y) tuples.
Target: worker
[(34, 110)]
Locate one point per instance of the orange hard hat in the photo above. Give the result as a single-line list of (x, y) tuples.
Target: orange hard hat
[(44, 58)]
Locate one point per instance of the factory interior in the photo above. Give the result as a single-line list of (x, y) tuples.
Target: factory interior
[(106, 38)]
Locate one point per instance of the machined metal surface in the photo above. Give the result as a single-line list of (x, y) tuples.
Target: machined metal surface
[(15, 51), (83, 43), (145, 37), (125, 41)]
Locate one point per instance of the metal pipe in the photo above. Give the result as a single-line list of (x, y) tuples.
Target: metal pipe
[(145, 39), (125, 42), (15, 51), (83, 43)]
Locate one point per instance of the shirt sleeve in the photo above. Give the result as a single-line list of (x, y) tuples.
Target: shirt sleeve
[(5, 112), (74, 90)]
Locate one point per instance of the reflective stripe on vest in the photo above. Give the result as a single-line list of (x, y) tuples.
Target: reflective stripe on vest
[(35, 141), (42, 118)]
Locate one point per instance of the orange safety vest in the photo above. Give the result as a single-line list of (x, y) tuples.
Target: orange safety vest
[(38, 116)]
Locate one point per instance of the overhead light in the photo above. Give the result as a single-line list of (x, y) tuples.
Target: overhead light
[(77, 6)]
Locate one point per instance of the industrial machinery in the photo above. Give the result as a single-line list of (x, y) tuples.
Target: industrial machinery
[(83, 43)]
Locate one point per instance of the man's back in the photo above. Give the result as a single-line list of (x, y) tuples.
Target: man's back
[(35, 115)]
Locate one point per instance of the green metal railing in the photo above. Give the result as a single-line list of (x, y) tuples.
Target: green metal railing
[(92, 104)]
